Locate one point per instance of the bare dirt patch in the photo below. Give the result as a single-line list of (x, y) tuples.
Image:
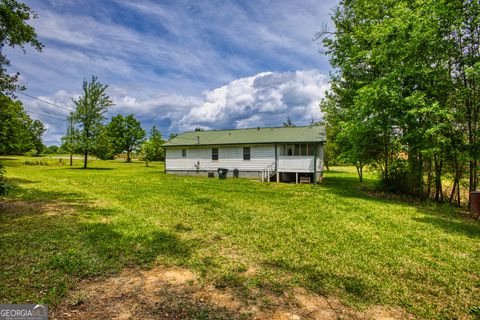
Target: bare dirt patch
[(176, 293), (24, 207)]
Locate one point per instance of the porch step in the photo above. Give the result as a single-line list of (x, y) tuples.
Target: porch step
[(268, 172)]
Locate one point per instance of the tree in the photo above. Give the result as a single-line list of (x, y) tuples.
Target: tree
[(89, 113), (157, 143), (288, 123), (51, 149), (104, 148), (18, 132), (14, 31), (37, 129), (70, 140), (126, 133), (147, 151), (152, 149), (406, 70)]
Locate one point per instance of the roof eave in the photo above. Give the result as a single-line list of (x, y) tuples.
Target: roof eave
[(241, 143)]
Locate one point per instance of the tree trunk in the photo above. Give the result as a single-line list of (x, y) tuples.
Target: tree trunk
[(360, 172), (415, 179), (85, 159), (438, 179), (429, 179), (386, 166), (459, 201), (128, 156), (455, 180), (71, 159)]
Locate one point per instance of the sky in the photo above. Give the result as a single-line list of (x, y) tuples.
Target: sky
[(178, 65)]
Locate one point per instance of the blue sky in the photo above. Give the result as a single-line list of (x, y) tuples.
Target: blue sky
[(179, 64)]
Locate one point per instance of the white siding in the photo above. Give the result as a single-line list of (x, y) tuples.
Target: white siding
[(228, 157), (320, 158), (295, 164), (300, 163)]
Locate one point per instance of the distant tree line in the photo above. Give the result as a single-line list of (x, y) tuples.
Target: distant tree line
[(405, 94)]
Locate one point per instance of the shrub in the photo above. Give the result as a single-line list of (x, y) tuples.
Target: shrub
[(31, 153), (4, 186), (396, 181)]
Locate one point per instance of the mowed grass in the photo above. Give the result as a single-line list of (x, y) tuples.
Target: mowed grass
[(61, 224)]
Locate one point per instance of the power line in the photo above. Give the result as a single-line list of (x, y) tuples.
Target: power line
[(44, 101), (44, 115)]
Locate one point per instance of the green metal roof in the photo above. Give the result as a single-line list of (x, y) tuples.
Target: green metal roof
[(307, 134)]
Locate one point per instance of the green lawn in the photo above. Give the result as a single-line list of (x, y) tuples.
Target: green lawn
[(60, 224)]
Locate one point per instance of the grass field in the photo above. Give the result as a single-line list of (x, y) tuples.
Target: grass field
[(62, 224)]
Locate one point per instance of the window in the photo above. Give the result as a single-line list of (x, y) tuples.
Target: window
[(184, 153), (246, 153), (289, 150), (303, 149), (297, 150), (214, 153), (311, 149)]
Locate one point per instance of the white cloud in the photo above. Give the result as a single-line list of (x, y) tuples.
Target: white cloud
[(266, 99), (180, 65)]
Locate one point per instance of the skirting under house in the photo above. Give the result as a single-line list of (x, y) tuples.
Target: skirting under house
[(285, 154)]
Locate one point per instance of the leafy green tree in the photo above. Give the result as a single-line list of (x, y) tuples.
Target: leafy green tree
[(18, 132), (147, 151), (157, 144), (89, 114), (406, 71), (14, 31), (126, 133), (151, 149), (51, 149), (70, 140), (37, 129), (104, 148)]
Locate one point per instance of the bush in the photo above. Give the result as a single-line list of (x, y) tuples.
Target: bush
[(31, 153), (397, 179), (4, 186), (51, 150)]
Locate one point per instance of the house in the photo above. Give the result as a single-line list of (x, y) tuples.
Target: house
[(285, 154)]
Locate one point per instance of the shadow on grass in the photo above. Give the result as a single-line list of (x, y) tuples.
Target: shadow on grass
[(117, 247), (327, 282), (451, 225), (17, 181), (441, 216), (63, 237), (347, 187), (82, 168)]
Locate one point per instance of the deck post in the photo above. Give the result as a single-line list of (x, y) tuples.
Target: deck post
[(315, 165), (164, 161), (296, 177), (278, 177)]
